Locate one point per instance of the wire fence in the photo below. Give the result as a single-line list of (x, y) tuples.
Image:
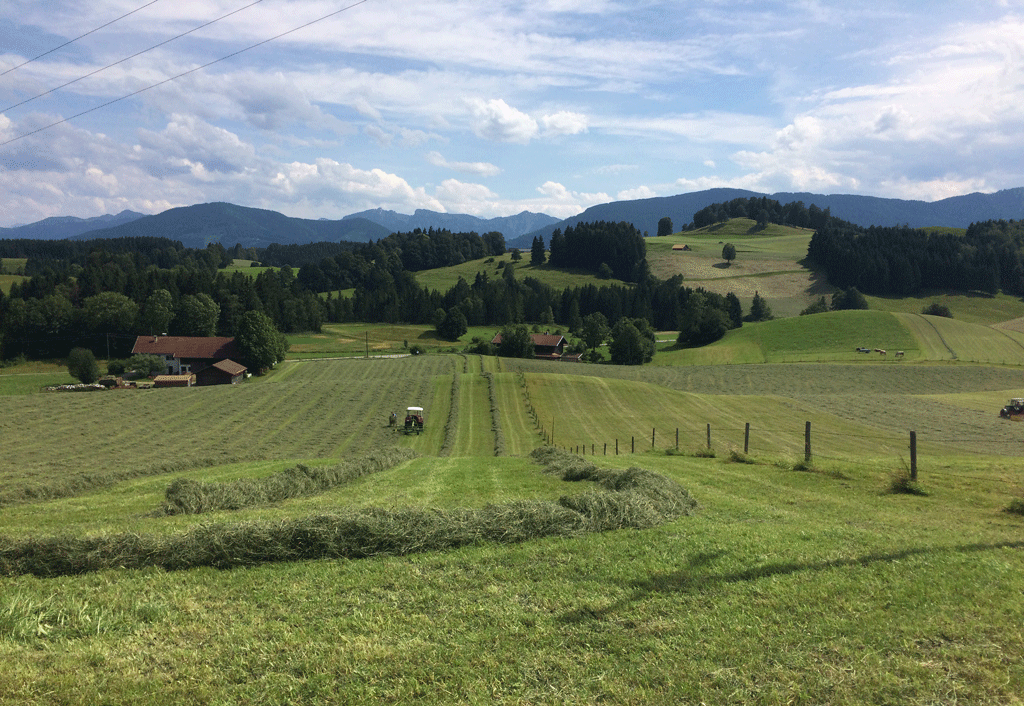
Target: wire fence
[(814, 444)]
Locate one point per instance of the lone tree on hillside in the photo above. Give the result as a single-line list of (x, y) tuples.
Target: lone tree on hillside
[(665, 226), (729, 253), (82, 365), (453, 326), (759, 309)]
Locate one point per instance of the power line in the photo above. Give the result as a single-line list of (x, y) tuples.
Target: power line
[(71, 41), (127, 58), (182, 74)]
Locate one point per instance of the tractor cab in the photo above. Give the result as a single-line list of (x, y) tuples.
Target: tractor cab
[(413, 420), (1014, 409)]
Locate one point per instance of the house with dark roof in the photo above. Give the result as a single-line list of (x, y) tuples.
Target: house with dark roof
[(210, 358), (547, 346)]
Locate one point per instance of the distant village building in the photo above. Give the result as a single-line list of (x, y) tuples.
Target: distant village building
[(207, 360)]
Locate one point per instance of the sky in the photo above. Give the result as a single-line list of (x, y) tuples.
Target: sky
[(493, 107)]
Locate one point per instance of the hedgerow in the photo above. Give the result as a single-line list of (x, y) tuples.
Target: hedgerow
[(634, 498)]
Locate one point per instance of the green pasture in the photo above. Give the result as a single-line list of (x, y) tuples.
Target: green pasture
[(353, 340), (245, 267), (30, 383), (444, 278), (7, 280), (971, 307), (835, 336)]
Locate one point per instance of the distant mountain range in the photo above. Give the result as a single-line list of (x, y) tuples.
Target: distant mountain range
[(196, 226), (954, 212), (509, 226), (62, 227), (224, 223)]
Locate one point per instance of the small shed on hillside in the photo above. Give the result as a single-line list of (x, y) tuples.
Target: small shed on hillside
[(223, 372)]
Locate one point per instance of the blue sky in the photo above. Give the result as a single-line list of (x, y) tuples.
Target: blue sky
[(491, 108)]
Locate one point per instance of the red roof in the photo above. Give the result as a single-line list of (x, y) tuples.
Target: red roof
[(230, 367), (183, 347)]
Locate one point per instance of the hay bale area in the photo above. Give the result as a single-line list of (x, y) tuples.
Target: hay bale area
[(191, 497), (634, 498)]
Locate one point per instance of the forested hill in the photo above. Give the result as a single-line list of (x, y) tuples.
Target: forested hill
[(228, 224), (865, 211), (509, 226)]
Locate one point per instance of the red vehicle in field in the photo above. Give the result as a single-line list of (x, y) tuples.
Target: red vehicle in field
[(413, 420)]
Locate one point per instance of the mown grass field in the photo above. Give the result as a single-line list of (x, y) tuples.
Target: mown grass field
[(788, 586)]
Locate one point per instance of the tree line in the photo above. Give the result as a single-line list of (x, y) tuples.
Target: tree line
[(101, 294), (764, 210), (902, 261)]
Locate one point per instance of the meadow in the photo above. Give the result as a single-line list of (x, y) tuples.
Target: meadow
[(793, 582)]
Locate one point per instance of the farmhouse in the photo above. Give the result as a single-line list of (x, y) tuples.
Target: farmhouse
[(548, 346), (208, 358)]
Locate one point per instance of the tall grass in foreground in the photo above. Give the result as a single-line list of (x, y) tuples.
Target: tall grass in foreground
[(634, 498), (191, 497)]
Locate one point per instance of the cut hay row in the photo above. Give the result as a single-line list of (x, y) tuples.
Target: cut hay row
[(191, 497), (634, 498), (499, 436), (451, 427), (71, 485)]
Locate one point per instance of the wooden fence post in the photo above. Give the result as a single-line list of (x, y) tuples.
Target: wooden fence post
[(913, 455), (807, 442), (709, 437), (652, 438), (616, 447), (746, 439), (677, 438), (632, 444)]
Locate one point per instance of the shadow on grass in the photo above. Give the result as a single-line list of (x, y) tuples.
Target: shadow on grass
[(692, 579)]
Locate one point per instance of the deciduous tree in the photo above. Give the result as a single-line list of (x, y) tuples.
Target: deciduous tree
[(261, 344), (82, 365)]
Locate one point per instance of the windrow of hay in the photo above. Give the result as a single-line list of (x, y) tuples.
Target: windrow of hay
[(451, 427), (634, 498), (191, 497), (71, 485), (499, 435)]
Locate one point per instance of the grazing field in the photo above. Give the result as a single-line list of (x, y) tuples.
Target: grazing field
[(970, 307), (836, 336), (811, 586), (444, 278), (768, 261)]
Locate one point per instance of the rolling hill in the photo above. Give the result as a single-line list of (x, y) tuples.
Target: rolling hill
[(227, 224), (954, 212)]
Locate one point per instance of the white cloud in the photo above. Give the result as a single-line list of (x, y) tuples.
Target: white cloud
[(498, 121), (478, 168), (639, 192), (564, 123)]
